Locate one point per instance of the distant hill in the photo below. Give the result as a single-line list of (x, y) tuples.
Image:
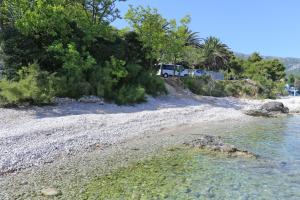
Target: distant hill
[(292, 64)]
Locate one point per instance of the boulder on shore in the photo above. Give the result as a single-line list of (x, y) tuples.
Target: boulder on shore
[(215, 144), (271, 109), (275, 107)]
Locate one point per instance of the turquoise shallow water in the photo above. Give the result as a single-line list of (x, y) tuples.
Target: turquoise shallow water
[(200, 175)]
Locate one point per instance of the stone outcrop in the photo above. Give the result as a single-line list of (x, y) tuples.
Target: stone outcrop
[(271, 109), (215, 144), (275, 107)]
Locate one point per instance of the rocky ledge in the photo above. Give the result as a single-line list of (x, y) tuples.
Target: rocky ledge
[(213, 143), (271, 109)]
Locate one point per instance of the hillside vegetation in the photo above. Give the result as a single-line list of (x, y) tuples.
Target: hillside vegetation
[(292, 65), (63, 48)]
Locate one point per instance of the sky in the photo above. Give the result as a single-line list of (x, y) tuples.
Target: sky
[(270, 27)]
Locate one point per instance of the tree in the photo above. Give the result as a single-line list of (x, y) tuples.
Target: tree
[(39, 30), (192, 56), (270, 69), (216, 54), (176, 39), (102, 10), (235, 68), (150, 27), (73, 42), (193, 39), (255, 57), (275, 69), (291, 79)]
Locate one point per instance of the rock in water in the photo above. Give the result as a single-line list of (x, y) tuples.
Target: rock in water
[(271, 109), (50, 192), (214, 143), (258, 113)]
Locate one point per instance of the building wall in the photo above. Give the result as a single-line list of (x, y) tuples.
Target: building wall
[(215, 75)]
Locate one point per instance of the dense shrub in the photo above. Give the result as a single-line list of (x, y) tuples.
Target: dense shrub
[(264, 88), (124, 83), (204, 85), (130, 94), (31, 85), (84, 54)]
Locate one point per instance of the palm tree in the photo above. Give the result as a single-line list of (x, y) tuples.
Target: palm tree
[(216, 55), (193, 39)]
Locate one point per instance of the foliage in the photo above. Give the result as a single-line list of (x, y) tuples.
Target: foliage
[(74, 42), (235, 68), (192, 56), (270, 69), (130, 94), (291, 79), (163, 41), (79, 53), (108, 81), (31, 86), (204, 85), (215, 54), (176, 40), (149, 26), (268, 74), (255, 57), (192, 40), (237, 88)]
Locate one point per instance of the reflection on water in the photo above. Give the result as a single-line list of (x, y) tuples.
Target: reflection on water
[(185, 174)]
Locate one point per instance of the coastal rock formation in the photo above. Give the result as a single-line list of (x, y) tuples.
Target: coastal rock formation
[(258, 113), (214, 143), (275, 107), (271, 109)]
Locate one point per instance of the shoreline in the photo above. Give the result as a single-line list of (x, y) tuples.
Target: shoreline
[(71, 174), (77, 139)]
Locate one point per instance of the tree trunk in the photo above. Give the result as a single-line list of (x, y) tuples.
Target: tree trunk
[(151, 63), (174, 67)]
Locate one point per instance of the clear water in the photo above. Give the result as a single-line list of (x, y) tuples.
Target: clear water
[(184, 174)]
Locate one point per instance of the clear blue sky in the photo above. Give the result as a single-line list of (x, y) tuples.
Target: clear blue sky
[(271, 27)]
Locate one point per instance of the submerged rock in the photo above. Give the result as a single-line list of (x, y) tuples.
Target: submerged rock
[(258, 113), (214, 143), (271, 109)]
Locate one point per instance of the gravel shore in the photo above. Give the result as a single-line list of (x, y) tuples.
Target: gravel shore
[(35, 137), (39, 135)]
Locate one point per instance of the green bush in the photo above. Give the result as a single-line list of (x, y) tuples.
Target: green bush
[(124, 83), (197, 85), (31, 86), (154, 85), (129, 94), (232, 89), (205, 86), (260, 88)]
